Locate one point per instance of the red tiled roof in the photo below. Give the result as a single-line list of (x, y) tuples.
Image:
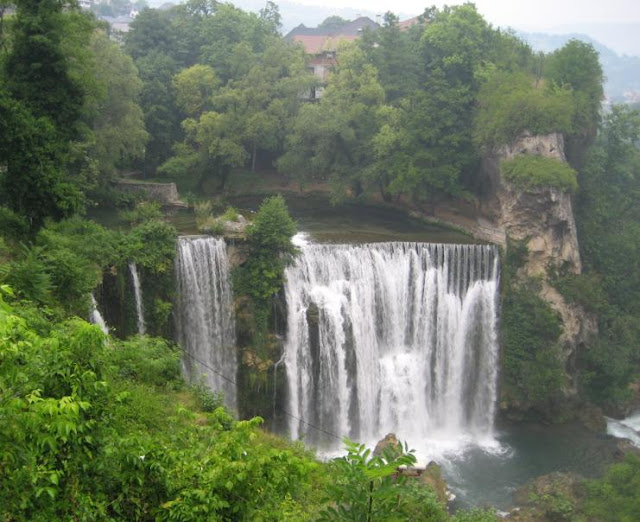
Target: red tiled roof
[(316, 44), (405, 24)]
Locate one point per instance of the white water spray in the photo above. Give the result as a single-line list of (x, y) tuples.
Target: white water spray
[(628, 428), (393, 337), (204, 313)]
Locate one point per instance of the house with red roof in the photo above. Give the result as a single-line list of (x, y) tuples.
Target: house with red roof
[(321, 45)]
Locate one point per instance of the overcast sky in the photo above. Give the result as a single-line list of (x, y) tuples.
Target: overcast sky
[(530, 14)]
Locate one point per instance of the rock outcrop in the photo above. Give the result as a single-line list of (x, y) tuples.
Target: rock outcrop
[(390, 441), (543, 218)]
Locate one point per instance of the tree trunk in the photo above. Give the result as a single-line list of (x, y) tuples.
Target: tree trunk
[(386, 197), (254, 158)]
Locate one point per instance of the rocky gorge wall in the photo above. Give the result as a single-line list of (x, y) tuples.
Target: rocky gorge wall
[(543, 219)]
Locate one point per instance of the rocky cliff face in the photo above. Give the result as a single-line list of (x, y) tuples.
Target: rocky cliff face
[(543, 218)]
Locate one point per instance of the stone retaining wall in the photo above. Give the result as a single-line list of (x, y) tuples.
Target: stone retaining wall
[(164, 193)]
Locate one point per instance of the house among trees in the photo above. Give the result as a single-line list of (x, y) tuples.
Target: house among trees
[(322, 42)]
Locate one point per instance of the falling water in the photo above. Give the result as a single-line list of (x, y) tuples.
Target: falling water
[(628, 428), (205, 325), (393, 337), (137, 295), (96, 317)]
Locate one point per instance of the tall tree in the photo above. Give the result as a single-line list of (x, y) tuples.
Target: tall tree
[(395, 54), (118, 123), (36, 68), (42, 105), (577, 66)]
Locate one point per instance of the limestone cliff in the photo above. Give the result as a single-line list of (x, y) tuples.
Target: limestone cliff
[(543, 218)]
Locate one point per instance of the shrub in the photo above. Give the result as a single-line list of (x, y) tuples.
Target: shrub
[(152, 246), (582, 289), (230, 214), (206, 399), (12, 225), (269, 238), (143, 211), (616, 497), (29, 276), (527, 171), (368, 487), (148, 360)]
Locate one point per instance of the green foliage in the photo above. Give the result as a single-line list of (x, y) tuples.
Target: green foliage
[(148, 360), (476, 515), (76, 251), (206, 399), (269, 238), (529, 171), (555, 506), (366, 487), (577, 66), (531, 367), (513, 103), (118, 124), (152, 246), (93, 431), (143, 211), (194, 89), (33, 184), (617, 495), (36, 69), (332, 23), (583, 289), (608, 224), (29, 275), (230, 214), (12, 225)]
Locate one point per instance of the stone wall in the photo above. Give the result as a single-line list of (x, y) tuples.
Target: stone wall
[(164, 193)]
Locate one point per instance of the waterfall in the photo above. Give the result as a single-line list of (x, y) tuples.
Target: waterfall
[(628, 428), (137, 294), (392, 337), (204, 313), (95, 316)]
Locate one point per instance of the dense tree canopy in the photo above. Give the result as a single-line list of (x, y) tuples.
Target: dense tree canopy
[(69, 99)]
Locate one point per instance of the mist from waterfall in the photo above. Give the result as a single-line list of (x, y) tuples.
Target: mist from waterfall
[(393, 337), (137, 295), (204, 314)]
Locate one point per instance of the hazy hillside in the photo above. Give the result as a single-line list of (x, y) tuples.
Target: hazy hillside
[(622, 72)]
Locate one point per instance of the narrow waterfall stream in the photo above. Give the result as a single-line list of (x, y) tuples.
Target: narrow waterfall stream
[(137, 294), (204, 314), (393, 337), (95, 317)]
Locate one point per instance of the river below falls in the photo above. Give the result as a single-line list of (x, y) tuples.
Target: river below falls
[(523, 452)]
